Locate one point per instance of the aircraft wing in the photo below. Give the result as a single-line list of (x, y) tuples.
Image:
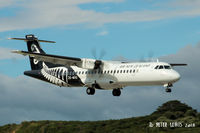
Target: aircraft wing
[(55, 59), (172, 64)]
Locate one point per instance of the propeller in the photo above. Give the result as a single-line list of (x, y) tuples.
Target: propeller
[(149, 58), (100, 56), (94, 53), (98, 62)]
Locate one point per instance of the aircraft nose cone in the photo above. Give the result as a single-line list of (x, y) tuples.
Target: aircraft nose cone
[(176, 76)]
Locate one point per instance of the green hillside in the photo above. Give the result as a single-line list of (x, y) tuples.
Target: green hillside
[(173, 114)]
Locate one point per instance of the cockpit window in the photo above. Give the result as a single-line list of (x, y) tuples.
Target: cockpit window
[(160, 67), (156, 67), (167, 67)]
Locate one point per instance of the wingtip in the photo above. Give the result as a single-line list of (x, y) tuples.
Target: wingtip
[(183, 64), (15, 51)]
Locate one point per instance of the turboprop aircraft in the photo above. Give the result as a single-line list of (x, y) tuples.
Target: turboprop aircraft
[(95, 74)]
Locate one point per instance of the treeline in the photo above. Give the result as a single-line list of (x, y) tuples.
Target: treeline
[(172, 111)]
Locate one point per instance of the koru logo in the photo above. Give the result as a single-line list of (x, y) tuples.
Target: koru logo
[(34, 49), (35, 61)]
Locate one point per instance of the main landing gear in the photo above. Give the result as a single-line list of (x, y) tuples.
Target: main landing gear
[(90, 91), (168, 89), (116, 92)]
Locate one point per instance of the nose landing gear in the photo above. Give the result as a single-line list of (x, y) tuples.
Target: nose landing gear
[(168, 89)]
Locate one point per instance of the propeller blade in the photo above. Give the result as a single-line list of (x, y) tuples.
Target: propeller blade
[(102, 54), (94, 53)]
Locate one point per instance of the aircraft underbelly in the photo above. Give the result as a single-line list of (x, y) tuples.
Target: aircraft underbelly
[(142, 79), (105, 82)]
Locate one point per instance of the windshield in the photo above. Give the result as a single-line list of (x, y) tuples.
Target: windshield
[(167, 67), (162, 67)]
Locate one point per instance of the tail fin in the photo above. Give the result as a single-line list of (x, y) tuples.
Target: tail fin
[(33, 45)]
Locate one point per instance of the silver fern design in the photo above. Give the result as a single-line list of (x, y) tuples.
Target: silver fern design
[(56, 75)]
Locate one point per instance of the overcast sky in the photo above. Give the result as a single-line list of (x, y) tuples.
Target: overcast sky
[(129, 29)]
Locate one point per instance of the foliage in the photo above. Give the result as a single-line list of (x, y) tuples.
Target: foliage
[(168, 112), (173, 106), (191, 113)]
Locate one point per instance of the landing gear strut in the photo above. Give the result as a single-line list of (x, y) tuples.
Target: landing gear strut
[(90, 91), (116, 92), (168, 89)]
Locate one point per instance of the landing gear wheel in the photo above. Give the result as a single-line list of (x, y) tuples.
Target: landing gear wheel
[(90, 91), (116, 92), (168, 90)]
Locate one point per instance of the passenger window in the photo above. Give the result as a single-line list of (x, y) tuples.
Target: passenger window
[(120, 71), (111, 71), (160, 67), (130, 71), (124, 71), (117, 71), (108, 72), (114, 71)]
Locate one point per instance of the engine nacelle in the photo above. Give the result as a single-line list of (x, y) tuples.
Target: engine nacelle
[(88, 63), (91, 63)]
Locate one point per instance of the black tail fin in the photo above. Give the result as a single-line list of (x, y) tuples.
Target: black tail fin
[(33, 45)]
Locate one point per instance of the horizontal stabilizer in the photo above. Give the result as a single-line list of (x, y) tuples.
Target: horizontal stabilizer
[(31, 38)]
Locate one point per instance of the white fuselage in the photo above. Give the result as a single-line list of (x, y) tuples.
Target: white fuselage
[(118, 75)]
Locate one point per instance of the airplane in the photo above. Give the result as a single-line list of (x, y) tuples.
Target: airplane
[(95, 74)]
